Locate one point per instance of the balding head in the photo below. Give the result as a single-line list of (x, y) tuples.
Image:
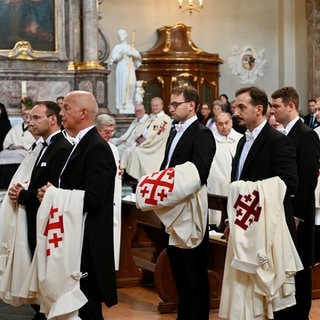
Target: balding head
[(79, 111), (224, 123)]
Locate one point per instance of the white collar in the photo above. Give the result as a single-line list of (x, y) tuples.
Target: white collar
[(291, 124)]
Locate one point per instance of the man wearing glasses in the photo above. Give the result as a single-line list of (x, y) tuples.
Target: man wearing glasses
[(193, 142), (46, 122)]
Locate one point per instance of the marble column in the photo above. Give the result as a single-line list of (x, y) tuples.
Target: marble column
[(74, 32), (90, 35), (313, 22)]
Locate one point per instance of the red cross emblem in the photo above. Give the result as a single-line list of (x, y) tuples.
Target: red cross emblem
[(54, 230), (162, 127), (154, 188), (247, 209), (119, 169)]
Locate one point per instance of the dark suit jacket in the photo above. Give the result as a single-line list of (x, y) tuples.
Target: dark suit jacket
[(307, 121), (92, 168), (47, 170), (307, 147), (272, 154), (196, 145)]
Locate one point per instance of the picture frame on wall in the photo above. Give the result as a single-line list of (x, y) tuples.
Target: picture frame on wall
[(32, 29)]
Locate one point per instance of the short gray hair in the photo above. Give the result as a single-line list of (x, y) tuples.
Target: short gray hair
[(104, 119)]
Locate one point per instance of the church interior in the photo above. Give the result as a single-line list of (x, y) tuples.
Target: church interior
[(218, 47)]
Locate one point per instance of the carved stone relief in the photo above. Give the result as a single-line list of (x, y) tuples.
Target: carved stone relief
[(247, 63)]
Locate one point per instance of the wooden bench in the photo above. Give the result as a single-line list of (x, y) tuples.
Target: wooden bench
[(142, 249), (142, 253)]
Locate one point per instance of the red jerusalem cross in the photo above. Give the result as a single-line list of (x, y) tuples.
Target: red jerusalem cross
[(162, 127), (56, 225), (247, 209), (157, 186)]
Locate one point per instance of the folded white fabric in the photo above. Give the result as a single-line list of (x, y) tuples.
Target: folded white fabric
[(180, 202)]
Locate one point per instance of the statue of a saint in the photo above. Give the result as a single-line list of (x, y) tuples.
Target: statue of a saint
[(125, 59)]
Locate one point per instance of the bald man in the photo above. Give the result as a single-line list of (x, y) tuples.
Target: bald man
[(91, 167)]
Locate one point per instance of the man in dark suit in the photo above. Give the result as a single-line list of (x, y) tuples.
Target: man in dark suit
[(263, 152), (192, 142), (310, 119), (45, 121), (91, 167), (285, 105)]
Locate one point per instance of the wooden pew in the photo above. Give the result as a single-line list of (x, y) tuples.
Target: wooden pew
[(142, 248)]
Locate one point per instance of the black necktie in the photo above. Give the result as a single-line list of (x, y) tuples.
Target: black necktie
[(311, 123), (44, 145), (33, 145)]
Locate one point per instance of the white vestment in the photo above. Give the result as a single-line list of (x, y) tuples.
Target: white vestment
[(261, 258), (219, 178), (54, 275), (15, 256), (147, 157), (19, 137), (179, 201), (117, 207), (128, 139)]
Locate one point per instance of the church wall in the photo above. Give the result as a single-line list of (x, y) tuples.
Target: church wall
[(278, 26)]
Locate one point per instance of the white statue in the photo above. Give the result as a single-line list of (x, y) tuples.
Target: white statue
[(139, 92), (125, 59)]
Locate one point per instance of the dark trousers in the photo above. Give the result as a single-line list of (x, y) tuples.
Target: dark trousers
[(190, 273), (92, 310)]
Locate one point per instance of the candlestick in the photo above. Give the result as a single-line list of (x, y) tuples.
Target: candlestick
[(23, 89)]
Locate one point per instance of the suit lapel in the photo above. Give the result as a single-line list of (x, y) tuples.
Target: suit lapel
[(256, 146), (185, 136), (81, 145), (295, 130)]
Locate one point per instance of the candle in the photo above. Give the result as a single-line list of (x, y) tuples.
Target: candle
[(23, 89)]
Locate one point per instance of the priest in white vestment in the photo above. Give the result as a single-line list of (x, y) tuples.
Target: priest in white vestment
[(147, 155), (128, 138), (220, 173)]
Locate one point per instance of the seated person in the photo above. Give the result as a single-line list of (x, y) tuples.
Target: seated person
[(15, 147), (128, 138), (147, 154), (220, 173), (5, 124)]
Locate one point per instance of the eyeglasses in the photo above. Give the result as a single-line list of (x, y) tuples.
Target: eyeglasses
[(109, 132), (175, 105)]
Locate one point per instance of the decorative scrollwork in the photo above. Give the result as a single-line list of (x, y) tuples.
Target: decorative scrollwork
[(23, 51), (247, 63)]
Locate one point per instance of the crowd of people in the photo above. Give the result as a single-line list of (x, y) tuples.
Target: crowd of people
[(71, 153)]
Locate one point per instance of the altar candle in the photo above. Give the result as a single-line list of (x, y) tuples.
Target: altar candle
[(23, 89)]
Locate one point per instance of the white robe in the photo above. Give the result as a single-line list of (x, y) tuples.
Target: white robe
[(117, 207), (219, 178), (54, 276), (261, 258), (128, 138), (18, 137), (15, 256), (147, 157), (179, 201)]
